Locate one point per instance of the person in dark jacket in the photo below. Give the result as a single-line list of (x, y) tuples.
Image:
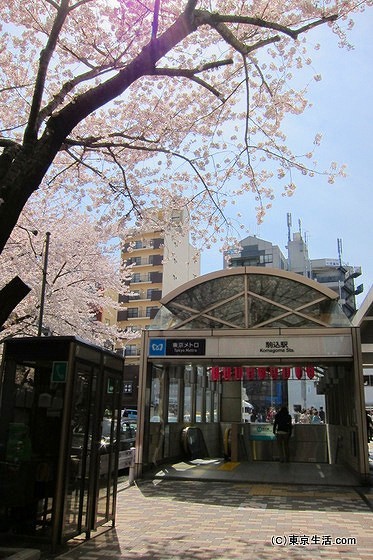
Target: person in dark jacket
[(282, 428)]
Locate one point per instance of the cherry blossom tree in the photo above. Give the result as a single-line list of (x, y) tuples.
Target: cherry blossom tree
[(124, 104), (80, 266)]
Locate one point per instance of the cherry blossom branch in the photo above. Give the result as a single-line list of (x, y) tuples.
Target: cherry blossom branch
[(99, 145)]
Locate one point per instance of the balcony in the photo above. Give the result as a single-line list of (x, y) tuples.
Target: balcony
[(152, 294), (135, 313), (354, 272), (147, 244), (140, 278), (150, 260), (150, 277)]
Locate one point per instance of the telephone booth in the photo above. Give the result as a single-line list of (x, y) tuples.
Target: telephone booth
[(59, 437)]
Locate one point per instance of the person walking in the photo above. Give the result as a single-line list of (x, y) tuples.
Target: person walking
[(316, 418), (369, 426), (282, 428), (322, 414)]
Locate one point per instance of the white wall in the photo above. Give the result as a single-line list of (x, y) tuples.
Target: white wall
[(303, 392)]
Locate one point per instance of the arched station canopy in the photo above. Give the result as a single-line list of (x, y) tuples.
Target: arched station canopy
[(250, 298)]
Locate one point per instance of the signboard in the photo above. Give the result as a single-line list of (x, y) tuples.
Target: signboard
[(186, 347), (272, 347), (177, 347), (275, 373), (261, 432), (292, 346), (59, 372), (157, 347)]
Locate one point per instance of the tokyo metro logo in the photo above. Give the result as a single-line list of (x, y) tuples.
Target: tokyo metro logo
[(157, 347)]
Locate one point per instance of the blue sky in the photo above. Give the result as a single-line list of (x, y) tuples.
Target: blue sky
[(342, 112)]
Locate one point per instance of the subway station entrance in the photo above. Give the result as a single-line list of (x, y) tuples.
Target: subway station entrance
[(226, 351)]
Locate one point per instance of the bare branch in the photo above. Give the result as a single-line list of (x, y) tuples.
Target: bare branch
[(155, 20), (18, 86), (240, 47), (10, 296), (191, 74), (78, 4), (53, 4), (214, 20), (45, 58), (313, 24), (11, 149), (67, 88), (126, 186), (7, 143)]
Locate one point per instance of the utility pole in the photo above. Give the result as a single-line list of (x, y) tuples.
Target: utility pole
[(44, 282)]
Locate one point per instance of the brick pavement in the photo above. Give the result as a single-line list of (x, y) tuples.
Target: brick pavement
[(204, 520)]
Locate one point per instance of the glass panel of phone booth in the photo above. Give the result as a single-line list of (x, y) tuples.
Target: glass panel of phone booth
[(80, 456), (108, 449), (31, 414)]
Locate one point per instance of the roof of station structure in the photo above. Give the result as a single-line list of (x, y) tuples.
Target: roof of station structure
[(364, 319), (250, 298)]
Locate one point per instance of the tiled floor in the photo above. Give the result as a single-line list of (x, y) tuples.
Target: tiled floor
[(216, 510), (205, 520), (269, 472), (212, 510)]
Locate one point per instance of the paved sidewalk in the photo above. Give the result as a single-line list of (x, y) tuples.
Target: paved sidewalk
[(204, 520)]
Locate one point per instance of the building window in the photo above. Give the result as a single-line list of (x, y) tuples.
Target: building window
[(122, 315), (138, 244), (134, 260), (132, 312), (368, 380), (156, 243), (131, 350), (155, 277), (155, 259), (266, 258), (136, 277), (154, 294), (151, 311)]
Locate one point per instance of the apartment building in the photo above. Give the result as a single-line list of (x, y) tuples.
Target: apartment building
[(162, 260), (328, 271), (256, 252)]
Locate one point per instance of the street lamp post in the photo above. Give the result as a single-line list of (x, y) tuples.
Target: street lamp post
[(44, 282)]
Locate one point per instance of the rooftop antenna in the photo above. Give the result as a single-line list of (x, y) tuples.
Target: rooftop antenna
[(289, 225), (288, 217), (300, 227), (339, 245), (308, 262)]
